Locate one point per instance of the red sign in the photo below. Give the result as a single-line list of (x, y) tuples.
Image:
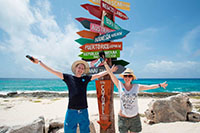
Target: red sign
[(94, 10), (90, 20), (113, 10), (103, 95), (102, 46)]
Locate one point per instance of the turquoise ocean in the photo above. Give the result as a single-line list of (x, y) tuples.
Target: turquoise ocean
[(57, 85)]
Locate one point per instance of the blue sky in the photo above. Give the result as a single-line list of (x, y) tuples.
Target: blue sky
[(164, 38)]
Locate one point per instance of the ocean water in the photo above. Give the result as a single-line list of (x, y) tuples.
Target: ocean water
[(57, 85)]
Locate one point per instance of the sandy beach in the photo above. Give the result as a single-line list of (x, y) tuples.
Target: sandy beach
[(21, 110)]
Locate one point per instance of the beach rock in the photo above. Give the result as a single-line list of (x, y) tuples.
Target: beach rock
[(193, 116), (4, 129), (171, 109), (54, 125), (12, 94), (36, 126)]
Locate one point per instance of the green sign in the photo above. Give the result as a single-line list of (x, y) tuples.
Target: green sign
[(108, 22), (120, 62), (83, 41), (95, 54)]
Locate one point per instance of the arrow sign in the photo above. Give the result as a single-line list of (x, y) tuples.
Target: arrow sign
[(95, 70), (115, 3), (83, 41), (90, 20), (94, 10), (102, 46), (113, 10), (103, 95), (108, 22), (99, 29), (111, 36), (87, 34), (95, 27), (95, 54), (120, 62)]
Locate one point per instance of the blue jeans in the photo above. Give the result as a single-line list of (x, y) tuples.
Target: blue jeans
[(73, 118)]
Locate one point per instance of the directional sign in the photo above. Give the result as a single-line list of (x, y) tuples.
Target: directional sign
[(94, 10), (113, 10), (103, 95), (96, 63), (87, 34), (95, 70), (95, 54), (102, 46), (108, 22), (83, 41), (120, 62), (111, 36), (99, 29), (116, 3), (90, 20)]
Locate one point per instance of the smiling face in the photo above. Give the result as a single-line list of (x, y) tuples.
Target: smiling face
[(128, 78), (80, 69)]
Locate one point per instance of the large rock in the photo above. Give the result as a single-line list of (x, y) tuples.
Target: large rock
[(36, 126), (171, 109)]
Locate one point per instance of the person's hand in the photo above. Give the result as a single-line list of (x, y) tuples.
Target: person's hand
[(164, 84), (114, 68)]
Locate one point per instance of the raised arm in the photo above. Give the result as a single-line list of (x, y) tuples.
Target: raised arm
[(113, 77), (57, 73), (101, 74), (148, 87)]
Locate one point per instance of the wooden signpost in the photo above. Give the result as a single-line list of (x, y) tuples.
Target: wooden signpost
[(102, 33)]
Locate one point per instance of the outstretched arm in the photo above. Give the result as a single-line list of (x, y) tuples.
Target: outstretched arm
[(113, 77), (148, 87), (101, 74), (57, 73)]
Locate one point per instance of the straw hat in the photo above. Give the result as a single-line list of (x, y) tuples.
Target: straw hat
[(80, 62), (128, 71)]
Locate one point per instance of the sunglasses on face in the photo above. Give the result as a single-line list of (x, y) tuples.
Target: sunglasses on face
[(129, 76)]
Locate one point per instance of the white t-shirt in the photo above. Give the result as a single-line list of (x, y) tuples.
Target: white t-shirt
[(128, 100)]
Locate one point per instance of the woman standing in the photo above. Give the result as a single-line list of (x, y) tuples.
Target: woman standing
[(128, 118)]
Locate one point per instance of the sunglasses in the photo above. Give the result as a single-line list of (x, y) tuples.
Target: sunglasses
[(130, 76)]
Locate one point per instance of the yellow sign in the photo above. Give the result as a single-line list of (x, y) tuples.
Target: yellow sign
[(115, 3)]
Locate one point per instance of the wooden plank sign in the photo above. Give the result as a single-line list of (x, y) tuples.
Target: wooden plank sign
[(120, 62), (103, 95), (83, 41), (101, 46), (87, 34), (111, 36), (108, 22), (95, 54), (99, 29), (116, 3), (93, 10), (113, 10), (90, 20), (95, 70)]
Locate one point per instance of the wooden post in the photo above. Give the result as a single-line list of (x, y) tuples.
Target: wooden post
[(111, 128)]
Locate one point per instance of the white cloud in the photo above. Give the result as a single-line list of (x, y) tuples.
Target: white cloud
[(174, 69), (191, 43), (33, 30)]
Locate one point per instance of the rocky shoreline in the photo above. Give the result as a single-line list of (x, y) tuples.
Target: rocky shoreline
[(45, 94)]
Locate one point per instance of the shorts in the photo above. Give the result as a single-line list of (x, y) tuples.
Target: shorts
[(74, 118), (132, 124)]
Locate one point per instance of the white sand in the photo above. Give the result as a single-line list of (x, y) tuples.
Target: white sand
[(16, 111)]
